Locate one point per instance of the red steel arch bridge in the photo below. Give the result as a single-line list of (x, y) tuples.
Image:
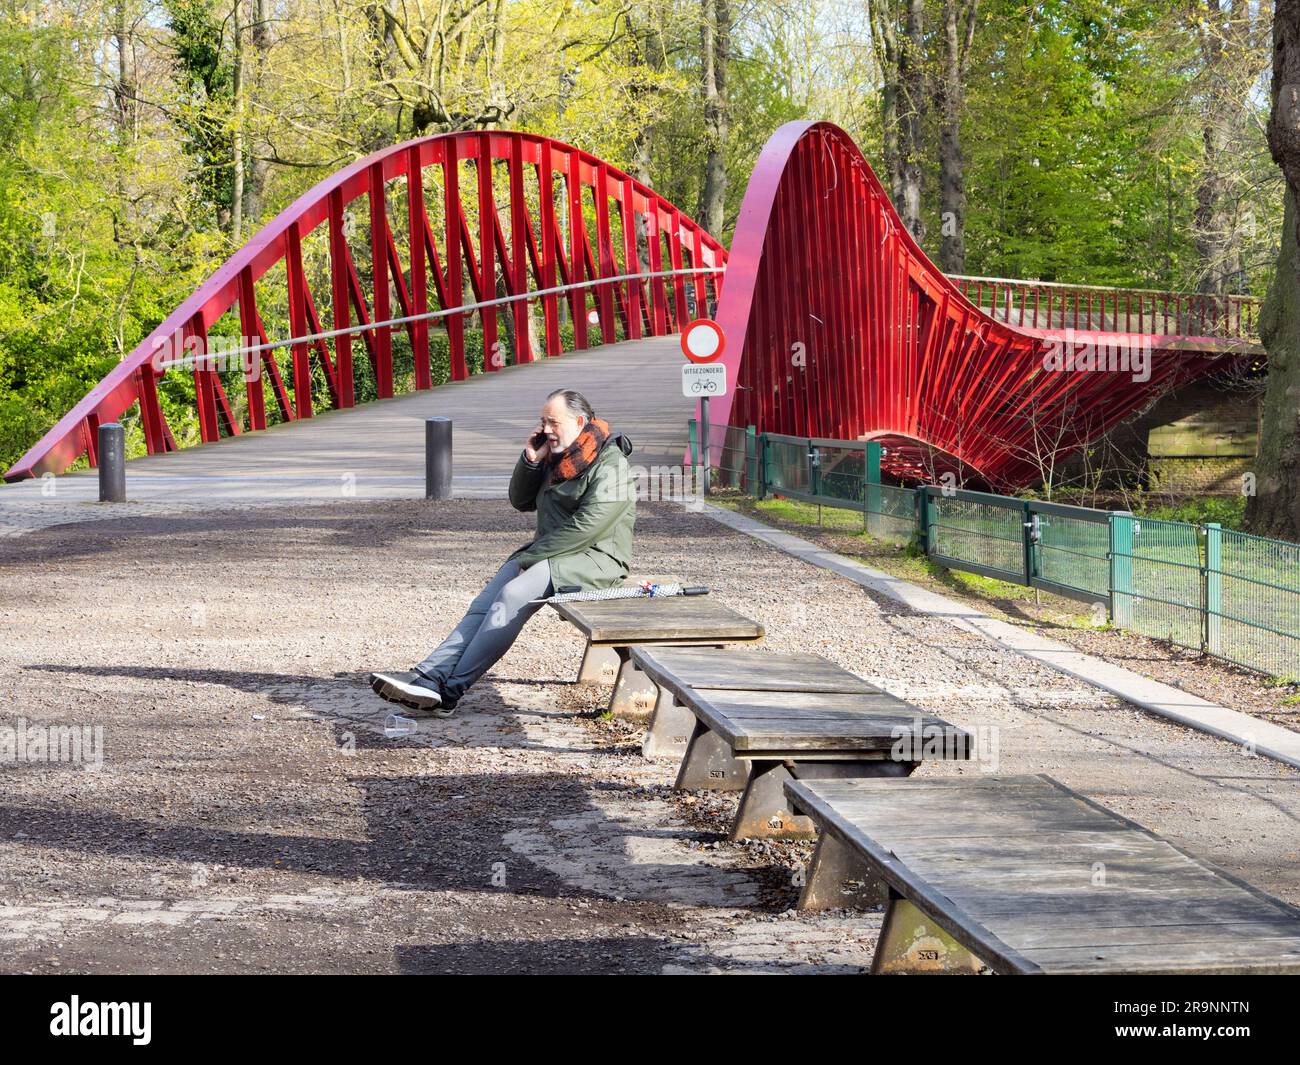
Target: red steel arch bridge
[(454, 254)]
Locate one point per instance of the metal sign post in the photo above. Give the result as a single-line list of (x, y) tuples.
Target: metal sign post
[(704, 441), (703, 376)]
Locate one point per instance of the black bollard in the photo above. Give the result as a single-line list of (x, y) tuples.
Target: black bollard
[(112, 463), (437, 458)]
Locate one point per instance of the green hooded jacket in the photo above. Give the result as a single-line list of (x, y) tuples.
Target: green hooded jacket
[(584, 524)]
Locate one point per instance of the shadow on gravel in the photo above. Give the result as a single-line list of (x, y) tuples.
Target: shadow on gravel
[(484, 718), (559, 957), (425, 833), (361, 524)]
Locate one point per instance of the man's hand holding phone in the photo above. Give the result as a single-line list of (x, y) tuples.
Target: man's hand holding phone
[(538, 445)]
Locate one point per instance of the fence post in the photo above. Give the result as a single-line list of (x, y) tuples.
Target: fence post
[(1027, 541), (751, 462), (923, 517), (695, 451), (1213, 601), (1121, 569), (764, 446), (872, 503)]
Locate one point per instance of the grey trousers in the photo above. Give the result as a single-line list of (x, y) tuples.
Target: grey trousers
[(488, 628)]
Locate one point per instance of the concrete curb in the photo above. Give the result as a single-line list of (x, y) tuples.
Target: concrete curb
[(1262, 737)]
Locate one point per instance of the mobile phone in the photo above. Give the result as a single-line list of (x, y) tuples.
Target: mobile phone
[(536, 440)]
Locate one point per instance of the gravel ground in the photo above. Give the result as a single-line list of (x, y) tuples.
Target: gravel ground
[(1066, 621), (249, 814)]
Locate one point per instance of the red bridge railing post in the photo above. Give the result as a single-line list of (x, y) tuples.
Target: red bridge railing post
[(416, 223)]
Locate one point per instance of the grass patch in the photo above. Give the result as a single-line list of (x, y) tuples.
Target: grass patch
[(1228, 511)]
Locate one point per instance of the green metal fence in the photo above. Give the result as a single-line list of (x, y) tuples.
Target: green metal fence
[(1253, 601), (1226, 593), (1158, 587), (891, 512), (1070, 550), (787, 467), (977, 532)]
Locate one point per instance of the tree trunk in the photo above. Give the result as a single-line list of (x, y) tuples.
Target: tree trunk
[(259, 36), (1211, 226), (126, 90), (1274, 510), (715, 42), (1217, 247), (652, 55), (884, 39), (958, 31), (889, 139), (911, 79), (237, 132)]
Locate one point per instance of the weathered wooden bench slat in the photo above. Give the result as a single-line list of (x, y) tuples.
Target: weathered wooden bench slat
[(746, 669), (976, 799), (766, 721), (771, 719), (1098, 922), (673, 617), (991, 828), (611, 626), (1174, 905), (678, 671), (1057, 934), (1227, 957), (1094, 872), (1030, 877), (973, 889), (1046, 844)]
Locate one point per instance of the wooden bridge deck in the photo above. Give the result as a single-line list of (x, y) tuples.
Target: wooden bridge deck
[(634, 385)]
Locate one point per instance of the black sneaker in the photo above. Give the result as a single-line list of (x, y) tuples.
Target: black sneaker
[(409, 690)]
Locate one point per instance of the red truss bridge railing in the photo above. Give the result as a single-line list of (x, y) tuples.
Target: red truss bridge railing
[(546, 224), (839, 326), (1192, 318)]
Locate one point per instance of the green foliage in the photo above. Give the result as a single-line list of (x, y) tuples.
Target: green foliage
[(206, 76), (1228, 511), (1080, 168)]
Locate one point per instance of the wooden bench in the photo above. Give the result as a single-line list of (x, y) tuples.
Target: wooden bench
[(671, 671), (611, 626), (757, 741), (1023, 875)]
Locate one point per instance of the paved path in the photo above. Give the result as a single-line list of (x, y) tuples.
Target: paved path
[(376, 451)]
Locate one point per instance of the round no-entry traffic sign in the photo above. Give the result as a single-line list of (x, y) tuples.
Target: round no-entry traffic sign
[(702, 340)]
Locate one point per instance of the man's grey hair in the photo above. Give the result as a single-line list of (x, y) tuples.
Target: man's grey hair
[(575, 401)]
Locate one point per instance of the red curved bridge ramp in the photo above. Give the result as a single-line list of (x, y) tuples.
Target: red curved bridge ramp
[(839, 326)]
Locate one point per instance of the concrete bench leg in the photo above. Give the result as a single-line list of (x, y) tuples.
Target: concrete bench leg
[(634, 692), (600, 663), (763, 809), (764, 812), (839, 878), (912, 943), (709, 764), (670, 729)]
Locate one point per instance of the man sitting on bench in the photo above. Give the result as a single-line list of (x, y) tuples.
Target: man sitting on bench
[(574, 473)]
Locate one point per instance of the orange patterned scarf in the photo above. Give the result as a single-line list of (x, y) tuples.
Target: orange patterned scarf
[(575, 458)]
